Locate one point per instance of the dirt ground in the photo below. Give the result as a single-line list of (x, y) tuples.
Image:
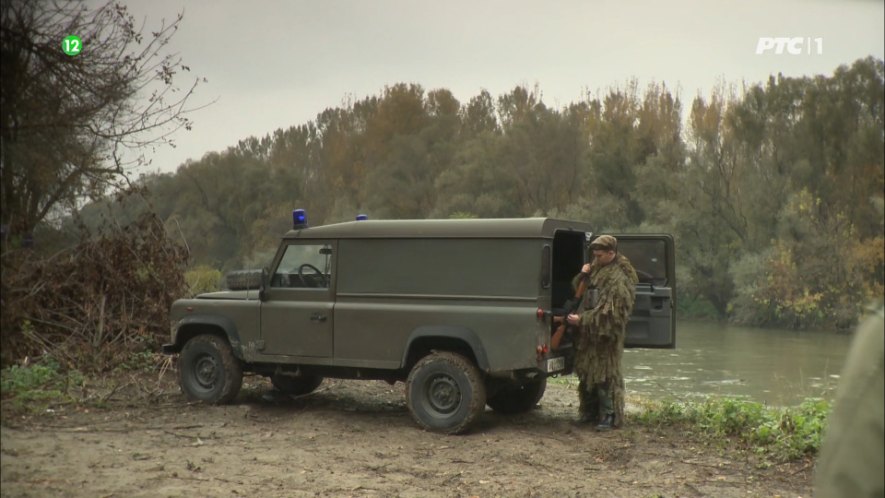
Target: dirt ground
[(357, 438)]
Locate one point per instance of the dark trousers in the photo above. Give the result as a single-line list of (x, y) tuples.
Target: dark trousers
[(596, 399)]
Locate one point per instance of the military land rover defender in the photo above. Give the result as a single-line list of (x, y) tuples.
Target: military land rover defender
[(459, 310)]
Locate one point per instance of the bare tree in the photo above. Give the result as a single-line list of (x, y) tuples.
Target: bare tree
[(73, 126)]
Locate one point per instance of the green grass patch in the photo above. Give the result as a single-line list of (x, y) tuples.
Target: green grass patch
[(37, 386), (564, 380), (777, 433)]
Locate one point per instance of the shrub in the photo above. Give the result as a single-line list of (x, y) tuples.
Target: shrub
[(202, 279), (92, 305), (798, 283)]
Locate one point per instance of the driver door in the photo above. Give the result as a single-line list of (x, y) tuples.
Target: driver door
[(296, 313)]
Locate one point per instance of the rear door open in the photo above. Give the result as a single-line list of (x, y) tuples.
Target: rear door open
[(653, 323)]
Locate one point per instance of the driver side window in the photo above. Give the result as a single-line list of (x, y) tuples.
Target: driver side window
[(304, 266)]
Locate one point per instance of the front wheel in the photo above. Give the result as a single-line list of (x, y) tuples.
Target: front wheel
[(445, 393), (208, 370)]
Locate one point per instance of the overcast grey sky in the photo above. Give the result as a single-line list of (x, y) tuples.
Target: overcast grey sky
[(276, 64)]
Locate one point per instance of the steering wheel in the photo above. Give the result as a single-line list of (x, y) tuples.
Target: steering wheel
[(312, 281)]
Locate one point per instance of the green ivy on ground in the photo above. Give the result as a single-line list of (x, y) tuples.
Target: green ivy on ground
[(36, 386), (777, 433)]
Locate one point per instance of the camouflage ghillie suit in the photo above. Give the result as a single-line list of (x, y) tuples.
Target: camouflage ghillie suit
[(600, 342)]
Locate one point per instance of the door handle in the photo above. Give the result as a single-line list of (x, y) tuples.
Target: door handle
[(318, 317)]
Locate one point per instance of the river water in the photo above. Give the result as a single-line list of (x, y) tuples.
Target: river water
[(773, 366)]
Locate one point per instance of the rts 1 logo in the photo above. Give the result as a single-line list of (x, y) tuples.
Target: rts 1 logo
[(792, 45)]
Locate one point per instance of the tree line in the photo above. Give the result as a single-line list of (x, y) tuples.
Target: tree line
[(774, 192)]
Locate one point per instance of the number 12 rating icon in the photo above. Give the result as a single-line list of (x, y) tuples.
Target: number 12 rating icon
[(72, 45)]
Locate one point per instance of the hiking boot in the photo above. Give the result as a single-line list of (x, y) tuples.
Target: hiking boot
[(607, 424)]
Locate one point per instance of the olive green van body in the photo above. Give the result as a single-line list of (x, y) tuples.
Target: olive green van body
[(369, 299)]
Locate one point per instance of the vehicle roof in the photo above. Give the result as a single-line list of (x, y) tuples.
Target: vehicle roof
[(454, 228)]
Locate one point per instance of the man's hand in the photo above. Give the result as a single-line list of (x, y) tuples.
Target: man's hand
[(574, 319)]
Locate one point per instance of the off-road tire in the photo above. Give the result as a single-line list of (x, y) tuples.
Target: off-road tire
[(208, 370), (514, 398), (243, 280), (445, 393), (296, 386)]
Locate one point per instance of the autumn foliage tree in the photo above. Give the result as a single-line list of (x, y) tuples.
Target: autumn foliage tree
[(72, 126)]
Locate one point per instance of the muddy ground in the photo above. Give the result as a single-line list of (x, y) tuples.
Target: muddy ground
[(356, 438)]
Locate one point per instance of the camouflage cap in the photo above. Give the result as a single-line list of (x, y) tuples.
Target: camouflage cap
[(606, 242)]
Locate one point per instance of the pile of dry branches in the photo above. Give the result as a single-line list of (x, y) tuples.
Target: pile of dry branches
[(92, 305)]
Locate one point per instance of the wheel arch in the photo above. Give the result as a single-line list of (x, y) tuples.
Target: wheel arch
[(223, 327), (458, 339)]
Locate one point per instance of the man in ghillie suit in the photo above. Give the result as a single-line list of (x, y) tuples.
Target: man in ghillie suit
[(607, 304)]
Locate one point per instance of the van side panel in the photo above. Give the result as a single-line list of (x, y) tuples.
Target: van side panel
[(379, 327), (388, 288), (459, 267)]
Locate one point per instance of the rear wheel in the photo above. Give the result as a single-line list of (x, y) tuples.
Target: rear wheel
[(296, 386), (445, 393), (208, 370), (518, 398)]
